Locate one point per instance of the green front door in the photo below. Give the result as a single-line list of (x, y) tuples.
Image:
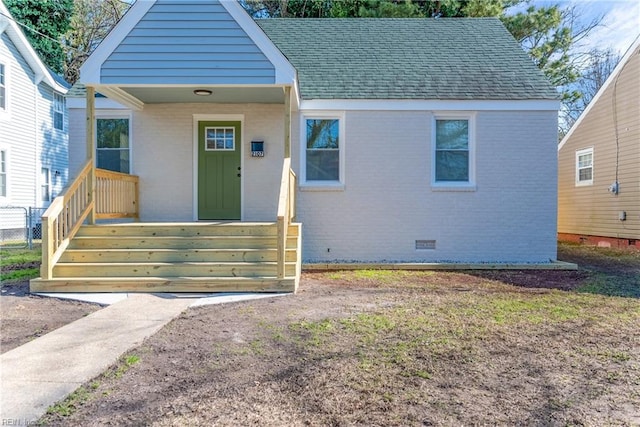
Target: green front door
[(219, 170)]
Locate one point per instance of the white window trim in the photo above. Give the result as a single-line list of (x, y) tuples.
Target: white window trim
[(215, 149), (56, 94), (455, 185), (115, 114), (5, 113), (322, 185), (577, 163), (7, 159)]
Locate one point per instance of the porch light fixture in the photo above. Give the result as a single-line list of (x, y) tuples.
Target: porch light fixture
[(202, 92)]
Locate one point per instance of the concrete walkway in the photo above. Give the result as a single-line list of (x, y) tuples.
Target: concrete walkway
[(40, 373), (46, 370)]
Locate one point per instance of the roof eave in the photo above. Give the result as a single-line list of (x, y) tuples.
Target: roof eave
[(616, 71), (41, 72)]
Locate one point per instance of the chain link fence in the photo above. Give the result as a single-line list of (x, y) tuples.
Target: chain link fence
[(20, 227)]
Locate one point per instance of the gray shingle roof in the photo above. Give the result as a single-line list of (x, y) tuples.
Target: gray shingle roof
[(78, 90), (379, 58)]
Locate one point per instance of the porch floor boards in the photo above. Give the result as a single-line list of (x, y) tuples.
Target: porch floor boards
[(175, 257)]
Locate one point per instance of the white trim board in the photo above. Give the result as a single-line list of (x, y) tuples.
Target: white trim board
[(285, 73), (100, 103), (428, 105), (216, 118), (90, 70), (121, 96)]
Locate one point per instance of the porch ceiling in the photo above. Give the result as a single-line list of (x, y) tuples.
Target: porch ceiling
[(221, 95)]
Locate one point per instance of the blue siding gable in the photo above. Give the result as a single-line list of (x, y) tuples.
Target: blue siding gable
[(187, 42)]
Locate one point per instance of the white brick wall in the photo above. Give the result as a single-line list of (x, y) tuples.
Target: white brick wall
[(162, 152), (77, 141), (388, 203)]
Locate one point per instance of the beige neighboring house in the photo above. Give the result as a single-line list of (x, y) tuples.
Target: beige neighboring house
[(599, 164)]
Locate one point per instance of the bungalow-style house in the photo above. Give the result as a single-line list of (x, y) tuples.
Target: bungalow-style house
[(599, 164), (245, 147), (33, 128)]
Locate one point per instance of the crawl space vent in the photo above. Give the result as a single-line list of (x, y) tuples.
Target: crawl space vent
[(425, 244)]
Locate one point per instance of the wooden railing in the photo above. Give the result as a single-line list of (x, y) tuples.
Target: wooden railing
[(286, 212), (116, 195), (64, 217)]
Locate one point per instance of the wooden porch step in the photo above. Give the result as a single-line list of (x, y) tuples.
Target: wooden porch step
[(190, 229), (175, 269), (174, 255), (197, 242), (164, 284)]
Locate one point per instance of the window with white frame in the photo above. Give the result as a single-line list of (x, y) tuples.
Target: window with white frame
[(45, 184), (3, 173), (323, 149), (453, 151), (219, 139), (58, 111), (113, 144), (3, 87), (584, 167)]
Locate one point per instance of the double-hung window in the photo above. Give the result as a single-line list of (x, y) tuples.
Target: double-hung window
[(58, 111), (453, 155), (3, 87), (584, 167), (323, 150), (113, 144)]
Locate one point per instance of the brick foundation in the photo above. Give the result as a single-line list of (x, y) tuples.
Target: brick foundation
[(600, 241)]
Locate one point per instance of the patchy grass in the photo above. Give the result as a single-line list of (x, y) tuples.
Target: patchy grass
[(19, 256), (393, 348), (623, 285), (90, 391), (19, 275), (611, 272), (19, 264)]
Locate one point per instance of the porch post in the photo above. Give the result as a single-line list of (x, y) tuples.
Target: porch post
[(287, 122), (91, 151)]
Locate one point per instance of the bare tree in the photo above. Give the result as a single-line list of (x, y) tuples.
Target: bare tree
[(596, 67), (91, 22)]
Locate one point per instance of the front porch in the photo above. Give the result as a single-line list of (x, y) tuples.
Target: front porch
[(184, 92), (80, 254)]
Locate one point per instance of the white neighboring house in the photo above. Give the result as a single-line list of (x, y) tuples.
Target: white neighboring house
[(33, 126)]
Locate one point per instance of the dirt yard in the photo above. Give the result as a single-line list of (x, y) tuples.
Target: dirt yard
[(24, 317), (392, 348)]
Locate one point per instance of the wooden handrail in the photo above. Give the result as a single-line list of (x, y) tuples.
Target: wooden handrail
[(286, 211), (116, 195), (64, 217)]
